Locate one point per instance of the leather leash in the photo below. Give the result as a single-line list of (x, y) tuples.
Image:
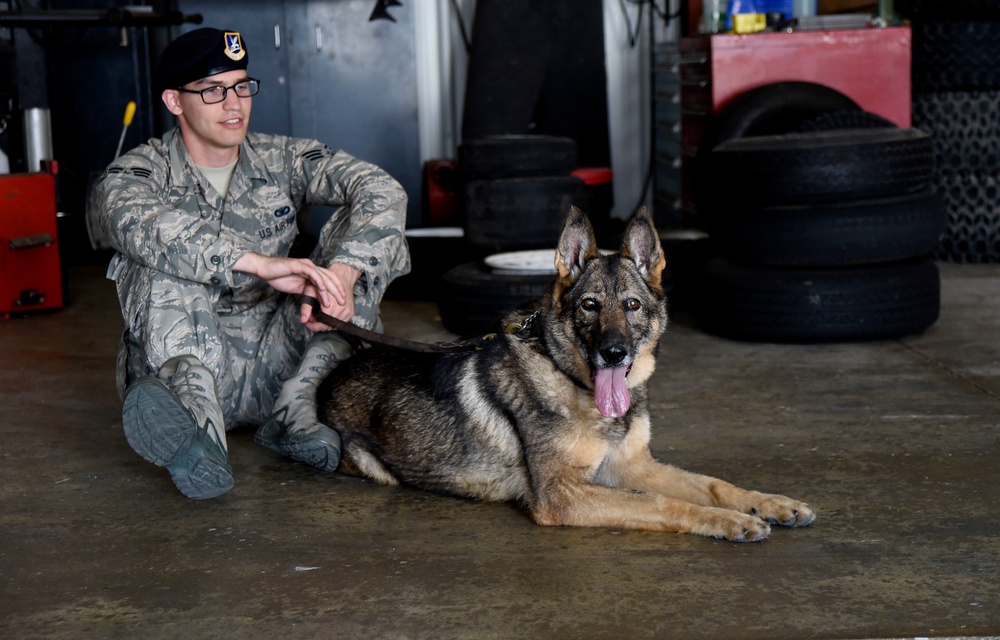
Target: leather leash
[(378, 338)]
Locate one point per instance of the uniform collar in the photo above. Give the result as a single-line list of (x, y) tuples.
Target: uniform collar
[(183, 172), (251, 164)]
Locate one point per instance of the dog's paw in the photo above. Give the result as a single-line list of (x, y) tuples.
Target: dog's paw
[(753, 530), (782, 511), (737, 527)]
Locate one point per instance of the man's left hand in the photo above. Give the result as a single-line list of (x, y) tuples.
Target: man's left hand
[(347, 276)]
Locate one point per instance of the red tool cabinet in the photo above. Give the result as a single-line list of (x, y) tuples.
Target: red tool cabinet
[(30, 274)]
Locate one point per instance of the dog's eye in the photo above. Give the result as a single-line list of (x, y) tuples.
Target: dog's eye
[(632, 304), (589, 304)]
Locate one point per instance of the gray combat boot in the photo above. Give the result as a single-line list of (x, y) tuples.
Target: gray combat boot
[(293, 429), (174, 421)]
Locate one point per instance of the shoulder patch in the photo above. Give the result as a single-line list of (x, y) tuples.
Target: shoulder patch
[(139, 172), (314, 155)]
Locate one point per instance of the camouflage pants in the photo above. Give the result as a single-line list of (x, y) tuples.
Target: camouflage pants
[(250, 352)]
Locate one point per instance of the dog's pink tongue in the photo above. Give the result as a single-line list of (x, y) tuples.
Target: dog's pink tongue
[(611, 392)]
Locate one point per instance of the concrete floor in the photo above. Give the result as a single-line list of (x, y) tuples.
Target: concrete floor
[(896, 445)]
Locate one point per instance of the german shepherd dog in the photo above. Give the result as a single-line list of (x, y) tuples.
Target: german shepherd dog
[(553, 415)]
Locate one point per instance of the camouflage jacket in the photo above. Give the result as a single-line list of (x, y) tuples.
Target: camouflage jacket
[(158, 210)]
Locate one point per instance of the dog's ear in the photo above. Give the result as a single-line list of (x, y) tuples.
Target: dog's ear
[(641, 244), (576, 245)]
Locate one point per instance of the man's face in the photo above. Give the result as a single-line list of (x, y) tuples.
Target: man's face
[(211, 131)]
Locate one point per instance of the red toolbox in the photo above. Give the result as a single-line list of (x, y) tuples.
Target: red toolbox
[(30, 274)]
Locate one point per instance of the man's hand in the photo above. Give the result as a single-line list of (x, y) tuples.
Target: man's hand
[(332, 286), (295, 276), (347, 276)]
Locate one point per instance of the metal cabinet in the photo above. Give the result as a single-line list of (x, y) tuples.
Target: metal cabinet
[(667, 149), (30, 273)]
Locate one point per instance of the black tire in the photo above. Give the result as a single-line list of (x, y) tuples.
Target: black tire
[(767, 304), (474, 298), (845, 119), (809, 168), (839, 233), (956, 56), (519, 213), (773, 109), (496, 157), (964, 127), (973, 229)]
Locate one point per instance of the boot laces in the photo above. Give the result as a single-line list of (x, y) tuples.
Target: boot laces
[(188, 378)]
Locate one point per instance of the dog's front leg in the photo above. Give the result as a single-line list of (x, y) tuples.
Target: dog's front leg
[(632, 466), (583, 504), (645, 474)]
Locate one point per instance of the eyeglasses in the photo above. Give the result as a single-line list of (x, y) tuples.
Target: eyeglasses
[(212, 95)]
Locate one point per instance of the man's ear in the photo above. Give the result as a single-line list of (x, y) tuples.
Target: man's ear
[(171, 98)]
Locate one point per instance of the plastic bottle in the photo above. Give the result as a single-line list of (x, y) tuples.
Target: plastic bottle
[(713, 16), (738, 6)]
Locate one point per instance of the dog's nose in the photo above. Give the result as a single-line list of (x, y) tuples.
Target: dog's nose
[(613, 353)]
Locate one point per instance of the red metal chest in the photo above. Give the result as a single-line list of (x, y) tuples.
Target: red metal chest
[(30, 273)]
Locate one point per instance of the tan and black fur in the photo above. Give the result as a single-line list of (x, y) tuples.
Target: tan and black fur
[(519, 420)]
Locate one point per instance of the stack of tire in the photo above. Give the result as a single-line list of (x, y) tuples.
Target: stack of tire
[(515, 192), (823, 218), (956, 90)]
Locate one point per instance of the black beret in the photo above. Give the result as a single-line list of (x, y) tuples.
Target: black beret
[(198, 54)]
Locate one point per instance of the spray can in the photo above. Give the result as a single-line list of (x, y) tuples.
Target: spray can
[(37, 138)]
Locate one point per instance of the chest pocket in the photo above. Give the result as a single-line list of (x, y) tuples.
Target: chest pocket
[(261, 214), (280, 222), (268, 224)]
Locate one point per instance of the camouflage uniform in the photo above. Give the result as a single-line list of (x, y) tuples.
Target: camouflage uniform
[(177, 240)]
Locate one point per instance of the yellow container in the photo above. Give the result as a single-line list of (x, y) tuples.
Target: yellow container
[(749, 22)]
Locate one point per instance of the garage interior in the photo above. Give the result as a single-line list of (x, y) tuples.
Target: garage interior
[(887, 423)]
